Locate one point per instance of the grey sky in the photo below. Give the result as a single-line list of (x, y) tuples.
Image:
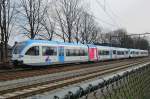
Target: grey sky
[(132, 15)]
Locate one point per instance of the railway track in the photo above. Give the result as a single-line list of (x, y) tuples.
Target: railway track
[(67, 80), (24, 68), (14, 70), (30, 72)]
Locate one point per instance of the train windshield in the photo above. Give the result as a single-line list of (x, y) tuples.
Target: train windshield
[(18, 48)]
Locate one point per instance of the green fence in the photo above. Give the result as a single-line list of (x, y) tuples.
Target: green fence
[(133, 84)]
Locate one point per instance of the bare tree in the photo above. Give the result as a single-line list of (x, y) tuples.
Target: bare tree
[(67, 12), (120, 38), (103, 38), (7, 21), (49, 25), (78, 29), (33, 13), (140, 43), (90, 29)]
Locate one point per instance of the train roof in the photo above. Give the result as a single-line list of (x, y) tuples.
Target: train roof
[(28, 42), (72, 44), (99, 46), (119, 48), (40, 41)]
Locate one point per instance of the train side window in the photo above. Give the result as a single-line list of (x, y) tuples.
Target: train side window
[(85, 53), (33, 51), (118, 52), (46, 50), (114, 51), (76, 52), (80, 52), (71, 52), (106, 52), (67, 52), (100, 52), (103, 52)]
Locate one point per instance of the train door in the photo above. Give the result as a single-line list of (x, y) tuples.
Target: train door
[(92, 54), (111, 54), (114, 54), (61, 54)]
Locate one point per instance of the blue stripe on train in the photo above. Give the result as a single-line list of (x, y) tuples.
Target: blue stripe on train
[(111, 53), (61, 54)]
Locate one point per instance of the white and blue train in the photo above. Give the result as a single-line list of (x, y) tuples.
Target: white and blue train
[(42, 52)]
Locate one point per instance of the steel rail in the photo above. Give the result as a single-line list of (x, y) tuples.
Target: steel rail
[(38, 80), (20, 69), (50, 86), (23, 73)]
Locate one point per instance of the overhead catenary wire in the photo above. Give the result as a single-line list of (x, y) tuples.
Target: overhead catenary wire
[(104, 9), (114, 13), (104, 22)]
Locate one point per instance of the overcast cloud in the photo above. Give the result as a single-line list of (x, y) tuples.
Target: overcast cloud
[(133, 15)]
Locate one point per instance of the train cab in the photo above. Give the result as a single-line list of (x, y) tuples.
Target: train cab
[(17, 53), (35, 52), (42, 52)]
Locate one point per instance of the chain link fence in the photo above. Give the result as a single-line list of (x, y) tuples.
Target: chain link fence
[(133, 84)]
